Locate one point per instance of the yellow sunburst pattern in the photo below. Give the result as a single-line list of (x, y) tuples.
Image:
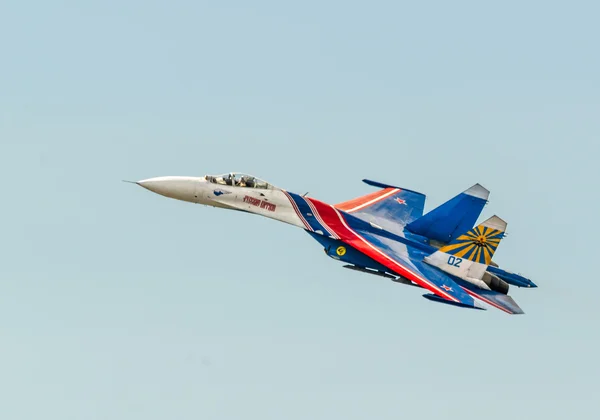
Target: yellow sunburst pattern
[(478, 244)]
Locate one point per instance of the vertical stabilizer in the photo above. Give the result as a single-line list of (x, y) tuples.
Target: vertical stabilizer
[(480, 243), (446, 222), (469, 255)]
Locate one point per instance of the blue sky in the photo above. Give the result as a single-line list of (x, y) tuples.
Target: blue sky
[(117, 303)]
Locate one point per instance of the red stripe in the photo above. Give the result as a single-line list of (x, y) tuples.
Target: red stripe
[(318, 217), (338, 225), (489, 302), (366, 200)]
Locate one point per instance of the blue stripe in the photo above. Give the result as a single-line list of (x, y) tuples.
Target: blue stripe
[(307, 213)]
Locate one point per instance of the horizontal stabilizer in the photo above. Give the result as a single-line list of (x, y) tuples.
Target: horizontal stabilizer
[(391, 208), (456, 216), (511, 278), (496, 299)]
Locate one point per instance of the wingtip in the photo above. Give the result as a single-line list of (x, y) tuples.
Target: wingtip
[(383, 185)]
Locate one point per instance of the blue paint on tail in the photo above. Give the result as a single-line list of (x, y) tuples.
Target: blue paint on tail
[(456, 216)]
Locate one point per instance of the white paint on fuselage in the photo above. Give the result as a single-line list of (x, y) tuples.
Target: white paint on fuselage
[(177, 187), (272, 202)]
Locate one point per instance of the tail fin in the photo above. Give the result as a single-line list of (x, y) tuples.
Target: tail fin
[(480, 243), (446, 222), (469, 255), (391, 208)]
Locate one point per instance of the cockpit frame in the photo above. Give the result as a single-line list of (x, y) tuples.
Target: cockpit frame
[(239, 179)]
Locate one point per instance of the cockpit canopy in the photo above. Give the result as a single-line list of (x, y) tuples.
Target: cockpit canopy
[(237, 179)]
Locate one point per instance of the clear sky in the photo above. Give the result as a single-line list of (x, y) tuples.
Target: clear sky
[(116, 303)]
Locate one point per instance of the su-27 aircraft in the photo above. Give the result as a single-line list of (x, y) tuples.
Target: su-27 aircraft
[(383, 233)]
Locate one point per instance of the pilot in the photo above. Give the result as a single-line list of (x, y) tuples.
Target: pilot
[(250, 182), (229, 180)]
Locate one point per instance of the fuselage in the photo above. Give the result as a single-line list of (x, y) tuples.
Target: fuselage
[(259, 197), (246, 193)]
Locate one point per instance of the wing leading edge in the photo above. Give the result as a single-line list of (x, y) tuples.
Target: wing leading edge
[(391, 207)]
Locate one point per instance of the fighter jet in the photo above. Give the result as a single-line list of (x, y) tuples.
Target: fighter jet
[(383, 233)]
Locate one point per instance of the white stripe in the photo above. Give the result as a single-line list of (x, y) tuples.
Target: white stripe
[(368, 203)]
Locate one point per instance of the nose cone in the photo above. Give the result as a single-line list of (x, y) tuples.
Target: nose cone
[(178, 187)]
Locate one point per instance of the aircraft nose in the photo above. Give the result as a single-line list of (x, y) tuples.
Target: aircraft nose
[(178, 187)]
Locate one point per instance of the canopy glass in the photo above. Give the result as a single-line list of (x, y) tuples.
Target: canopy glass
[(237, 179)]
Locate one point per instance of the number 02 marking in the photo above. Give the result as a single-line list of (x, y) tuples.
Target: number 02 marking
[(454, 261)]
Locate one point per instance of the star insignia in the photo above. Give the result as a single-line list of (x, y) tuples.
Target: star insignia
[(446, 288), (400, 201)]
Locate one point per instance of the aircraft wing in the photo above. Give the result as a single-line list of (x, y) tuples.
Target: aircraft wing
[(497, 300), (394, 255), (409, 264), (446, 289), (391, 207)]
